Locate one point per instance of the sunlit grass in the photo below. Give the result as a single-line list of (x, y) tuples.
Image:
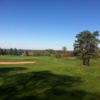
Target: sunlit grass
[(89, 75)]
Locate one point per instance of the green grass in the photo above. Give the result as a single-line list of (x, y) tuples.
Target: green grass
[(49, 79), (17, 58)]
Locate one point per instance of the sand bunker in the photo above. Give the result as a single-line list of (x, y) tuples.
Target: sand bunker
[(21, 62)]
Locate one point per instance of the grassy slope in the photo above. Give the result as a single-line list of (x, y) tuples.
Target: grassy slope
[(50, 79)]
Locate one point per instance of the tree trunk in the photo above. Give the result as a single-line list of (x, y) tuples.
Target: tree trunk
[(86, 60)]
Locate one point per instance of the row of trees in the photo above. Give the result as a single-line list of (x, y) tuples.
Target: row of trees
[(10, 51), (48, 52)]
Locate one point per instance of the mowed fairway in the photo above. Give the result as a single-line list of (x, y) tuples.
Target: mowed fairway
[(49, 79)]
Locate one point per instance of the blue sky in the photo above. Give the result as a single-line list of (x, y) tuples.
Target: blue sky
[(46, 24)]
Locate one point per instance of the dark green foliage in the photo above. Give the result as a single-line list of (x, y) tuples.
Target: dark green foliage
[(26, 53), (10, 51), (47, 52), (86, 45)]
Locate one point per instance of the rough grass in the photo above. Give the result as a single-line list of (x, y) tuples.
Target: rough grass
[(49, 79)]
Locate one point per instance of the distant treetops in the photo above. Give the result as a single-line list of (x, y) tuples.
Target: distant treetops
[(11, 51)]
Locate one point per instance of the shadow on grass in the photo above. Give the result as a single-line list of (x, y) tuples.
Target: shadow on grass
[(43, 85), (6, 70)]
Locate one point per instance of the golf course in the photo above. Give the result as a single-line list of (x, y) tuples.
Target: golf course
[(49, 49), (48, 78)]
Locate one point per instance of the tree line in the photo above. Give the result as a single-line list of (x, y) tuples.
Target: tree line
[(48, 52), (11, 51)]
